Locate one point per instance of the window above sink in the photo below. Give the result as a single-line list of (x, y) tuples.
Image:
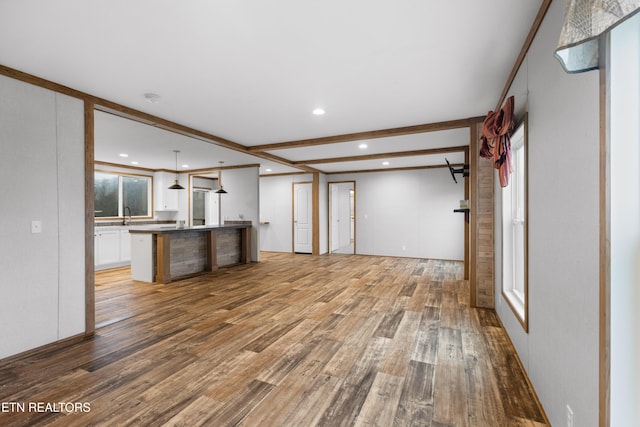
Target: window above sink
[(122, 195)]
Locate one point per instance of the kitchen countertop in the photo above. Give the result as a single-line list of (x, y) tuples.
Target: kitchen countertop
[(118, 225), (155, 229)]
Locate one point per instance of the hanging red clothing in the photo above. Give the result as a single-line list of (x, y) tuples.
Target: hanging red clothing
[(496, 144)]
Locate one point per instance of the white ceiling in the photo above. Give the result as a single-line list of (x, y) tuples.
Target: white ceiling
[(153, 148), (252, 71)]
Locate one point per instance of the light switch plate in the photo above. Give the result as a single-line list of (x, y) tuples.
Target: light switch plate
[(36, 227)]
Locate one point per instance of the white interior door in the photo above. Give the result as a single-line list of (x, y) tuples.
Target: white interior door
[(302, 218), (345, 215), (335, 217)]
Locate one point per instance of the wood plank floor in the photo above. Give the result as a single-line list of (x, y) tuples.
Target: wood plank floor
[(294, 340)]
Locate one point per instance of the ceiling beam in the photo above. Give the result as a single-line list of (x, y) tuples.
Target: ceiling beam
[(395, 169), (127, 113), (407, 130), (107, 106), (411, 153), (110, 107)]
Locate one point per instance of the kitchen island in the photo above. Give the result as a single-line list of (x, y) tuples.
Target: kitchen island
[(164, 254)]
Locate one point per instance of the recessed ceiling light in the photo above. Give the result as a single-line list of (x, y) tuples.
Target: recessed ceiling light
[(362, 146), (185, 166), (134, 163), (268, 170), (124, 155), (153, 98), (385, 163), (318, 111)]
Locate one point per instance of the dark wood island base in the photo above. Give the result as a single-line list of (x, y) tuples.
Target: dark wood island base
[(166, 254)]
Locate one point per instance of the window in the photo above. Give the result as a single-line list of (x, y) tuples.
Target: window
[(115, 192), (514, 229), (620, 222)]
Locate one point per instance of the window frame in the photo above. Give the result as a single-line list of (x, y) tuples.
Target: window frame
[(518, 302), (121, 207)]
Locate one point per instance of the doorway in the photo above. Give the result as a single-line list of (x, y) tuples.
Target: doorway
[(342, 217), (199, 206), (204, 204)]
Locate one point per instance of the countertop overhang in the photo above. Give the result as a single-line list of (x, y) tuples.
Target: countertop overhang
[(154, 229)]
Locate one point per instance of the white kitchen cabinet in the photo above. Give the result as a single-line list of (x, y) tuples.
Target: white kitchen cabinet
[(165, 199), (107, 247), (112, 247)]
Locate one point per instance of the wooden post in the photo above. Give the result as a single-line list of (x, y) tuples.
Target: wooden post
[(245, 245), (163, 258), (212, 251), (89, 214), (467, 229)]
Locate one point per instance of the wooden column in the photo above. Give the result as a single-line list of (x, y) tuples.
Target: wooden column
[(212, 251), (245, 245), (473, 212), (89, 214), (481, 277), (163, 258), (467, 227)]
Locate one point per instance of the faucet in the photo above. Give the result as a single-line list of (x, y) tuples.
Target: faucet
[(124, 220)]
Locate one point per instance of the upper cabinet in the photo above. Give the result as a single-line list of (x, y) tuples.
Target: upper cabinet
[(165, 199)]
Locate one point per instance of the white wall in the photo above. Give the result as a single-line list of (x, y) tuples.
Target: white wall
[(625, 223), (560, 352), (42, 169), (242, 201), (276, 201), (183, 200), (413, 209), (408, 213)]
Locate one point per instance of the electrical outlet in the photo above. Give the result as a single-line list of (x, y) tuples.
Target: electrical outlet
[(569, 416)]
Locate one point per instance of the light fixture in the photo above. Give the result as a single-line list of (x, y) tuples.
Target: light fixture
[(385, 163), (135, 163), (362, 146), (175, 185), (221, 189), (123, 155), (269, 170), (152, 98), (318, 111)]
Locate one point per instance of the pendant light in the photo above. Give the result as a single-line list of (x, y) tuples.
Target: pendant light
[(221, 189), (175, 185)]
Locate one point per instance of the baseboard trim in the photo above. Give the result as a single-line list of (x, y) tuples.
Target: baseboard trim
[(53, 346)]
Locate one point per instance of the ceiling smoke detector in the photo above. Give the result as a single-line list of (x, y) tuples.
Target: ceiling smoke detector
[(152, 98)]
